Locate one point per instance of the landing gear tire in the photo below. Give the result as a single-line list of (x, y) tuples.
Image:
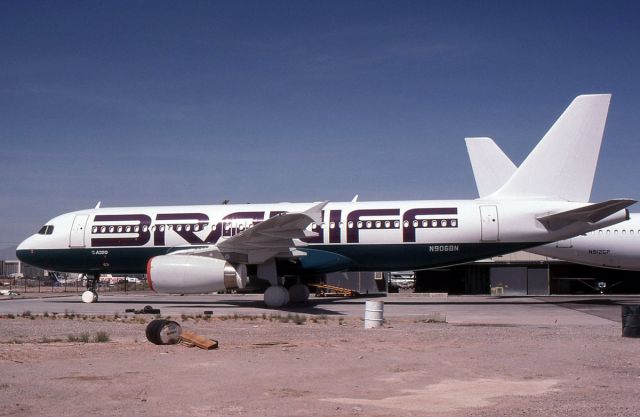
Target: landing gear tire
[(89, 297), (276, 296), (163, 332), (298, 293)]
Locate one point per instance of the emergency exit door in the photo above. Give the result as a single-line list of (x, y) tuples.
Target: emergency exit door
[(489, 223), (76, 239)]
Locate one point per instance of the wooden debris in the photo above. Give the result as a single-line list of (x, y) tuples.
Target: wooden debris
[(190, 338)]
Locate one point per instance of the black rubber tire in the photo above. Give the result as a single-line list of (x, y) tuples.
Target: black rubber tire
[(153, 331)]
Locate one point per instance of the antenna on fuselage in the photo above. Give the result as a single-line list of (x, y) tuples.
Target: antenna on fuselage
[(98, 205), (225, 202)]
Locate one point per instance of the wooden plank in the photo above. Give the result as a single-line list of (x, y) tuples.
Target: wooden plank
[(200, 341)]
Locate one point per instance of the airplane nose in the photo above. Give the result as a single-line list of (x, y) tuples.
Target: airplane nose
[(24, 250)]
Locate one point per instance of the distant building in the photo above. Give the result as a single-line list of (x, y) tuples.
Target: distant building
[(11, 267), (17, 269)]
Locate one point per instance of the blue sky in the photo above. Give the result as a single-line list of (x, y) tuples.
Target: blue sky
[(153, 103)]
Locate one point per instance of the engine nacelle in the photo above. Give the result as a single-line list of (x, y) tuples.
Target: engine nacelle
[(190, 274)]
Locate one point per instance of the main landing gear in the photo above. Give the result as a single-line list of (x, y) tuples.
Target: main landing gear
[(91, 294), (279, 296)]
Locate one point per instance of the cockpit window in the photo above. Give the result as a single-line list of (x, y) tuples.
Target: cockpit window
[(45, 230)]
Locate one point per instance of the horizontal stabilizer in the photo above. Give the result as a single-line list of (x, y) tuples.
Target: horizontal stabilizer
[(590, 214)]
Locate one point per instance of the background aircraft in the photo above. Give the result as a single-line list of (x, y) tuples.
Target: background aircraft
[(199, 249)]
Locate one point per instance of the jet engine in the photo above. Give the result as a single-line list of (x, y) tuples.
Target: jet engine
[(190, 274)]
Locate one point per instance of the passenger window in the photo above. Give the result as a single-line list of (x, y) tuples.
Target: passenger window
[(119, 229), (94, 229), (179, 227), (359, 225), (103, 229), (434, 223), (387, 224), (425, 223), (454, 223), (350, 225), (415, 223), (406, 223), (136, 228), (188, 227), (111, 229), (127, 229), (396, 224), (443, 223), (378, 224), (368, 224)]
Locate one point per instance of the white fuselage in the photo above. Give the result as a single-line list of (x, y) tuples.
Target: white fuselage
[(386, 235), (616, 246)]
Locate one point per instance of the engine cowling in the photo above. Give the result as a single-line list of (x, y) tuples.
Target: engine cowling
[(190, 274)]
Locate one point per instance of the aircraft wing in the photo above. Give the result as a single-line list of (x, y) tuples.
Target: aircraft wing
[(591, 213), (273, 237)]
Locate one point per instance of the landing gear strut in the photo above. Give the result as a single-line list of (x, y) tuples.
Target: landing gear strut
[(91, 294)]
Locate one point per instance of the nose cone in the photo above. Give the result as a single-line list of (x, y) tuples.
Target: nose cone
[(26, 250)]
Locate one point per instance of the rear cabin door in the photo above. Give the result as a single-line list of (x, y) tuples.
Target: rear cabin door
[(76, 238), (489, 224)]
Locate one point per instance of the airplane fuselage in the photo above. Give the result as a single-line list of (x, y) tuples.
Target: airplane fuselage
[(616, 246), (387, 235)]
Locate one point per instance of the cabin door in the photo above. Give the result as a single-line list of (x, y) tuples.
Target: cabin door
[(489, 217), (76, 239)]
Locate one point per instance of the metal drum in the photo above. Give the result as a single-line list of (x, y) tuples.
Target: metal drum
[(631, 320), (373, 314)]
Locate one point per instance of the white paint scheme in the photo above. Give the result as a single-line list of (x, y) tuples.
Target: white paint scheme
[(616, 246), (569, 151), (359, 236)]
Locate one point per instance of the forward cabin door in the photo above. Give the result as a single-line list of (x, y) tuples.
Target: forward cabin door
[(76, 238), (489, 224)]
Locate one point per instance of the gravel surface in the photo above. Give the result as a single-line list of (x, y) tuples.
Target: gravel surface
[(326, 366)]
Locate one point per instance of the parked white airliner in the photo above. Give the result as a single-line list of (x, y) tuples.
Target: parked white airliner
[(616, 246), (200, 249)]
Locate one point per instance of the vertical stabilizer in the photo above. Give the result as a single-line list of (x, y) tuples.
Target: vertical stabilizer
[(491, 167), (563, 164)]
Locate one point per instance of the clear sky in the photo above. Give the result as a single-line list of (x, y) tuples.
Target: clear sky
[(158, 102)]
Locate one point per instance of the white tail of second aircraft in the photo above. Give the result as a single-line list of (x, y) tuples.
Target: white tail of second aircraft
[(491, 167), (562, 166)]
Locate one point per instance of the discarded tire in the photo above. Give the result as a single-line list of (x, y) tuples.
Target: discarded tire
[(631, 320), (163, 332)]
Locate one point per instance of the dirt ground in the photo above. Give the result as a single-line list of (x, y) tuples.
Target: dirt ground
[(325, 366)]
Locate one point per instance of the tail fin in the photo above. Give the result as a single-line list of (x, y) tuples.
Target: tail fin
[(491, 167), (563, 164)]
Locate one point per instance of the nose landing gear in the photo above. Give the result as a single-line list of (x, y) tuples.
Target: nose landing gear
[(91, 294)]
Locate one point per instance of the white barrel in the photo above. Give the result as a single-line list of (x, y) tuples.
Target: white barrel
[(373, 314)]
